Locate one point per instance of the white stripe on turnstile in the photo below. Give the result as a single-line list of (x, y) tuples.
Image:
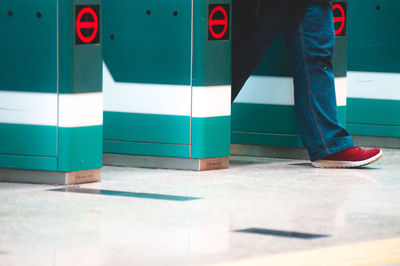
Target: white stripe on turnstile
[(374, 85), (280, 91), (145, 98), (211, 101), (28, 108), (341, 91), (81, 109), (33, 108)]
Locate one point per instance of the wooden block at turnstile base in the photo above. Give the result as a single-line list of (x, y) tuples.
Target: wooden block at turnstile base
[(214, 163), (81, 177)]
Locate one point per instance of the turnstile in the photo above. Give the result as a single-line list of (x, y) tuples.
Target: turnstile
[(374, 72), (167, 83), (50, 91), (263, 115)]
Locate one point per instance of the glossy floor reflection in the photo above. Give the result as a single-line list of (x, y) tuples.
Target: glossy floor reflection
[(254, 209)]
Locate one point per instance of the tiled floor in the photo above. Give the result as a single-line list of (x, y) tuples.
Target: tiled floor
[(257, 208)]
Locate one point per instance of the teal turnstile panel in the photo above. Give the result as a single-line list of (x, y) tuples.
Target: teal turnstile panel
[(374, 68), (374, 36), (50, 85), (166, 82), (28, 49), (159, 50)]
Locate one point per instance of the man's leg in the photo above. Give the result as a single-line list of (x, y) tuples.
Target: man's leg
[(310, 38), (255, 25)]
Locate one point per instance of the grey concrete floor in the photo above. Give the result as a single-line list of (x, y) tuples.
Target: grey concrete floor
[(167, 217)]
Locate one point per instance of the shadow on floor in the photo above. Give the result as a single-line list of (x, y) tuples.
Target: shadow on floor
[(278, 233), (124, 194)]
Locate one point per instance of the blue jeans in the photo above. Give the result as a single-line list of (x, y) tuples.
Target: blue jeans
[(310, 38)]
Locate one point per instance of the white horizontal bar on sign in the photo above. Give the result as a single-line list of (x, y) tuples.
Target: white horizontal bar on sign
[(280, 91), (145, 98), (211, 101), (374, 85), (81, 109), (28, 108)]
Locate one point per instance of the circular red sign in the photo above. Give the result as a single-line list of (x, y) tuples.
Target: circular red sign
[(87, 25), (340, 19), (217, 22)]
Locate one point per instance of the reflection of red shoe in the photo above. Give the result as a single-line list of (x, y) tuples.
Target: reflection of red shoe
[(350, 158)]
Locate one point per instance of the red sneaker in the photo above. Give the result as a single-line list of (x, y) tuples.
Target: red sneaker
[(350, 158)]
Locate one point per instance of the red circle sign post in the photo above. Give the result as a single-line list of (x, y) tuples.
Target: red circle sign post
[(218, 22), (339, 19), (87, 25)]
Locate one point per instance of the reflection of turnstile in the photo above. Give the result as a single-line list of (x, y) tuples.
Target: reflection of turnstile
[(374, 72), (50, 92), (263, 116), (167, 83)]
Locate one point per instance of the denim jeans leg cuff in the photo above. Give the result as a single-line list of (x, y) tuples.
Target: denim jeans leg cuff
[(336, 145)]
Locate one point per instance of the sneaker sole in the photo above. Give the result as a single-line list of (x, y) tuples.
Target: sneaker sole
[(346, 164)]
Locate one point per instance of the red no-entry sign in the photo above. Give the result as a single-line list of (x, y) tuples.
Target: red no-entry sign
[(218, 22), (340, 18), (87, 24)]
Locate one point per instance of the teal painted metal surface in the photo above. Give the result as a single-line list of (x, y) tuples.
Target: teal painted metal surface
[(276, 61), (166, 129), (28, 162), (80, 148), (211, 59), (211, 137), (374, 36), (262, 118), (39, 59), (150, 149), (28, 49), (281, 140), (144, 42), (152, 43), (31, 140), (375, 130), (373, 112), (80, 65), (374, 41), (253, 124)]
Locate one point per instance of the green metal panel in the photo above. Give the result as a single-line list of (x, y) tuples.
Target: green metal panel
[(374, 111), (262, 118), (374, 36), (28, 50), (80, 148), (211, 137), (374, 41), (276, 62), (29, 64), (374, 130), (28, 162), (80, 65), (211, 67), (211, 59), (28, 140), (167, 129), (151, 149), (268, 124), (151, 42), (146, 42), (282, 140)]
